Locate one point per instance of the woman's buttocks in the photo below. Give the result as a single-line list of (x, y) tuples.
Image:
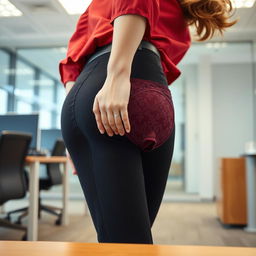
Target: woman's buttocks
[(150, 108)]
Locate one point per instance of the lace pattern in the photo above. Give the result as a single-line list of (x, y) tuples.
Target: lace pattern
[(151, 113)]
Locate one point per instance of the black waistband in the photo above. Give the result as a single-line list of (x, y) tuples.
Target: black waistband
[(107, 48)]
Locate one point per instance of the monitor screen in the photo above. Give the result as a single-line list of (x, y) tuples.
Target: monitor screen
[(24, 123), (48, 138)]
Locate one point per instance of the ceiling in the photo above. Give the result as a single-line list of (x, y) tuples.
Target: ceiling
[(46, 23)]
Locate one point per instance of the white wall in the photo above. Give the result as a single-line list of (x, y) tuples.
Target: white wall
[(189, 72), (228, 111), (254, 90), (177, 97), (205, 121), (232, 110)]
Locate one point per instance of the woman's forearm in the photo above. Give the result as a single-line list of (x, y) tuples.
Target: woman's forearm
[(127, 35)]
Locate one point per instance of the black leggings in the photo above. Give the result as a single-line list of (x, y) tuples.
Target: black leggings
[(123, 186)]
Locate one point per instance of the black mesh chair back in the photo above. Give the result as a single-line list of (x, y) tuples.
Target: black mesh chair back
[(14, 147), (53, 169)]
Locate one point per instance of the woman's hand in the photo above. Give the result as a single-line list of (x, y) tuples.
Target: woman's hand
[(68, 86), (110, 105), (71, 162)]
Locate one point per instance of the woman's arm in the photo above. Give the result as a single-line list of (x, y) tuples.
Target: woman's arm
[(68, 86), (114, 95), (124, 44), (127, 35)]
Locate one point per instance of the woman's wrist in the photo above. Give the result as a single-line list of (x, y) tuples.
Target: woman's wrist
[(118, 69)]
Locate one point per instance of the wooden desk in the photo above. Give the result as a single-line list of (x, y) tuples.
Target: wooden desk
[(231, 193), (42, 248), (34, 163)]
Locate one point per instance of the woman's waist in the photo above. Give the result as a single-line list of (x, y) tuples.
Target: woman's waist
[(146, 63), (107, 48)]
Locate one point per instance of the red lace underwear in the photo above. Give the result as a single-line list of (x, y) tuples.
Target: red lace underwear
[(151, 113)]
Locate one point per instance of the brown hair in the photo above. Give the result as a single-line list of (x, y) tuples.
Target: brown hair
[(207, 14)]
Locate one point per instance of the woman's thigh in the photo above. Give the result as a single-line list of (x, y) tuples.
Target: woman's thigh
[(109, 168), (156, 166), (111, 176)]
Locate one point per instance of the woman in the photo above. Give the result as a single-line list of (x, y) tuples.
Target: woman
[(117, 119)]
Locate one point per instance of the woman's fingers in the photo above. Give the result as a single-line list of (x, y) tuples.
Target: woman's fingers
[(118, 121), (96, 111), (105, 122), (125, 118), (111, 121), (112, 118)]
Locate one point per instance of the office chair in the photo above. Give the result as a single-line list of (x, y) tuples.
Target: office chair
[(13, 150), (54, 177)]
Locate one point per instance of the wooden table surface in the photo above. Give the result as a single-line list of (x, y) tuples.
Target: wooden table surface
[(46, 159), (52, 248)]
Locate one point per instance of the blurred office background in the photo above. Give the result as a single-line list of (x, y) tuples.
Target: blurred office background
[(214, 99)]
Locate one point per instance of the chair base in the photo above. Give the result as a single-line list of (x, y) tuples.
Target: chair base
[(47, 208), (7, 224)]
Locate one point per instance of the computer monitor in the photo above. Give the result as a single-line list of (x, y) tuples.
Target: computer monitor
[(23, 123), (48, 138)]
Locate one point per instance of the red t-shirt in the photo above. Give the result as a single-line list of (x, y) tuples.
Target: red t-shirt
[(166, 29)]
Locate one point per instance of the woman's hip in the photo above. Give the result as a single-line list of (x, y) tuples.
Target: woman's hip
[(150, 107)]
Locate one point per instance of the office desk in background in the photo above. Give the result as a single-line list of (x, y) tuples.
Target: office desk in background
[(34, 162), (42, 248)]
